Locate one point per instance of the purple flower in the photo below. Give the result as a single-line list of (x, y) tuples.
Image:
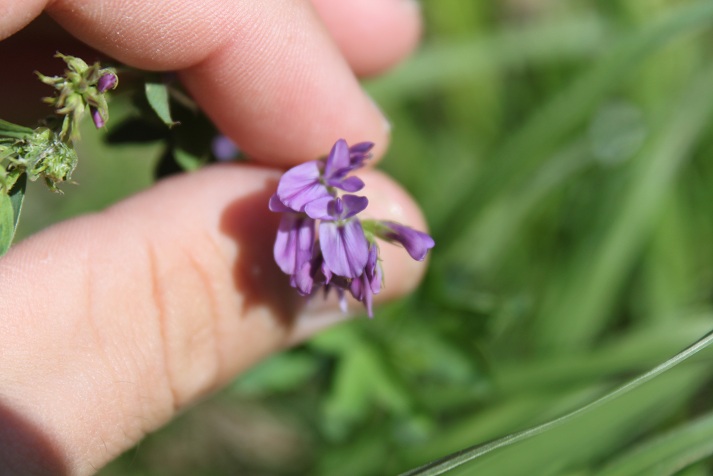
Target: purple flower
[(301, 185), (312, 180), (344, 246), (107, 81), (295, 239), (223, 148), (369, 283), (416, 243), (345, 257), (359, 153), (339, 164), (97, 117)]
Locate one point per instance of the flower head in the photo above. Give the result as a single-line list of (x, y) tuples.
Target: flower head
[(345, 257), (81, 87)]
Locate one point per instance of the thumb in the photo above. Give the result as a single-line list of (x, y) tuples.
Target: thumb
[(112, 322)]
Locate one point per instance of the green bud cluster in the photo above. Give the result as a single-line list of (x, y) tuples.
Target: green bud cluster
[(81, 87), (48, 152)]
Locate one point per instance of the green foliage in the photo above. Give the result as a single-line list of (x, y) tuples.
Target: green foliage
[(10, 208), (159, 100)]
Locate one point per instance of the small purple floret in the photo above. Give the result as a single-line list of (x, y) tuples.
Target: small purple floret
[(293, 245), (301, 185), (369, 283), (223, 148), (106, 82), (359, 153), (97, 117), (344, 247), (317, 179), (416, 242), (336, 209)]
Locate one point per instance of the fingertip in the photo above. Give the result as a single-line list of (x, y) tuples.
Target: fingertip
[(15, 15), (373, 35), (291, 117)]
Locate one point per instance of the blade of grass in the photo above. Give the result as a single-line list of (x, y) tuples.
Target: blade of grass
[(469, 454)]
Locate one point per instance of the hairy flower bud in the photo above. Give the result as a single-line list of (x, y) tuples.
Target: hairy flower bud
[(107, 81)]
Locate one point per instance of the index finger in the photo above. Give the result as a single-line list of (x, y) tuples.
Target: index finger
[(267, 73)]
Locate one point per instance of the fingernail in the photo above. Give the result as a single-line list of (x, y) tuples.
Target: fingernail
[(386, 123), (412, 4)]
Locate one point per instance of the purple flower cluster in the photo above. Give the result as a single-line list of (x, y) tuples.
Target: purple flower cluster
[(321, 241)]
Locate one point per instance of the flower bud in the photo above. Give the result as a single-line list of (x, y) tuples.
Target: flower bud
[(107, 81)]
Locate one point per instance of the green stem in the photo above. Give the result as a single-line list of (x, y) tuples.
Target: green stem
[(8, 129)]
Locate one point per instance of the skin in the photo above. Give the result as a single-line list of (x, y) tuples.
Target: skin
[(112, 323)]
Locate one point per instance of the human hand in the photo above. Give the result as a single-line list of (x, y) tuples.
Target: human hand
[(113, 322)]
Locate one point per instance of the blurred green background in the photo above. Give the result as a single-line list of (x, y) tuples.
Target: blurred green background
[(562, 154)]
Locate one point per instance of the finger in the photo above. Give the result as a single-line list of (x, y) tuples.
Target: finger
[(112, 322), (373, 35), (15, 15), (267, 73)]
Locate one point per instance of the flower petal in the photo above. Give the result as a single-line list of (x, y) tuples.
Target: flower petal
[(338, 158), (349, 184), (275, 205), (107, 81), (300, 185), (344, 247), (97, 117), (359, 153), (319, 209), (302, 279), (416, 242), (353, 204), (294, 242)]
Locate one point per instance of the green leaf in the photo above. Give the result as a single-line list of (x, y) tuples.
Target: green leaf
[(8, 129), (7, 229), (10, 207), (158, 98), (186, 160)]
